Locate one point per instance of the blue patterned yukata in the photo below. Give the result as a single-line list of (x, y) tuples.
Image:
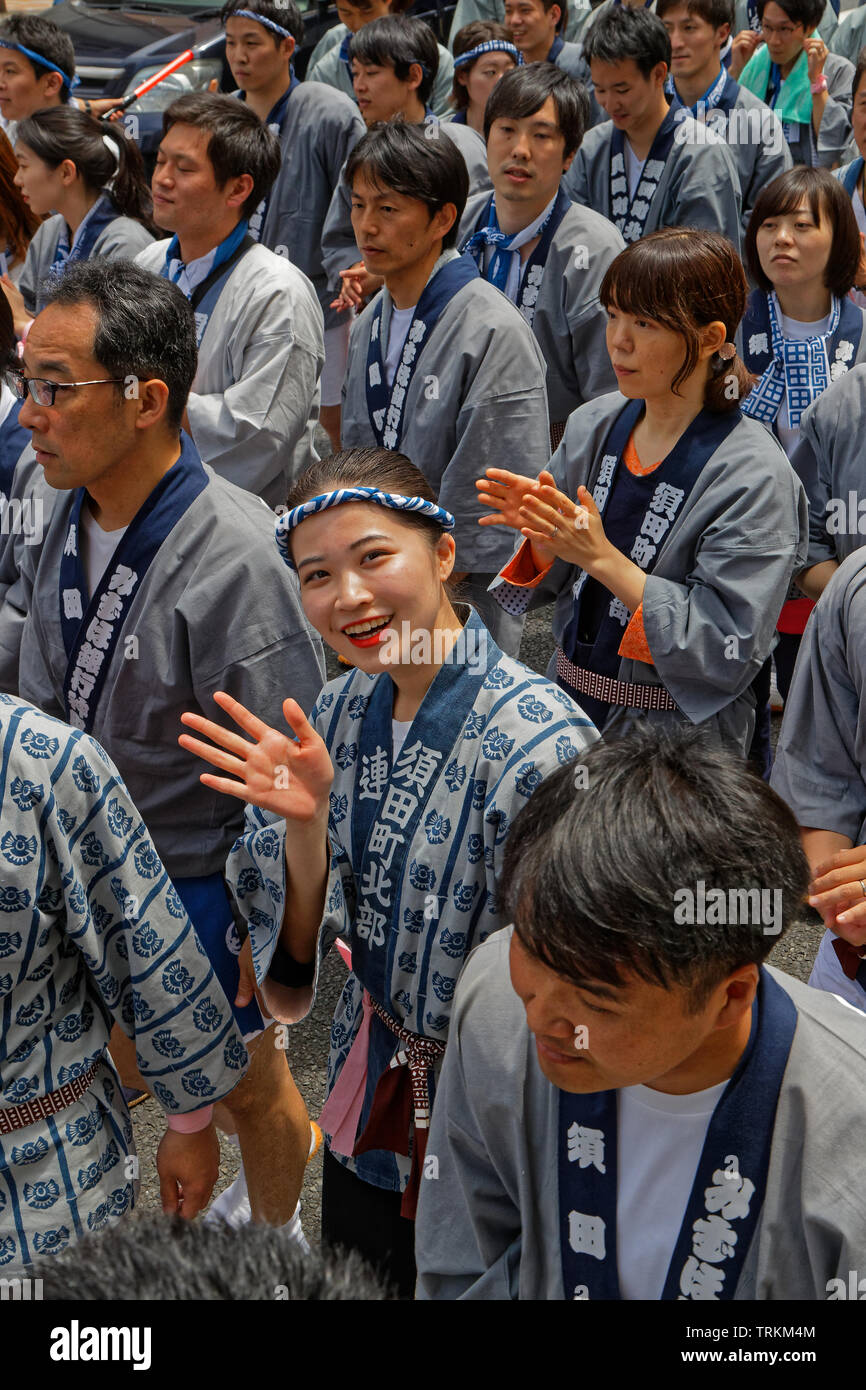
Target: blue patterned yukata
[(91, 933)]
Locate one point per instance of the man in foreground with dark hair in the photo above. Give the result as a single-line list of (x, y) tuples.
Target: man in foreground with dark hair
[(156, 585), (259, 329), (556, 254), (648, 166), (441, 366), (647, 1111)]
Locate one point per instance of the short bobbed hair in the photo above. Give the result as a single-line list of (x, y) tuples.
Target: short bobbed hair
[(827, 200)]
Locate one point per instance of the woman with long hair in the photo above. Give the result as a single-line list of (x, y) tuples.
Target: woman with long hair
[(381, 825), (92, 178), (668, 526), (18, 221)]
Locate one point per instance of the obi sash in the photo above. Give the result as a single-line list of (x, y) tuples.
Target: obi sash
[(533, 270), (276, 117), (729, 1184), (638, 524), (100, 216), (91, 630), (14, 438), (206, 294), (630, 214), (385, 407), (761, 354)]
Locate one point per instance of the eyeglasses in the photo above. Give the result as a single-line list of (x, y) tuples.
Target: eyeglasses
[(43, 392), (783, 30)]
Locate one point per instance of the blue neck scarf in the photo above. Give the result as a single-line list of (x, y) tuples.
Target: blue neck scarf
[(797, 367)]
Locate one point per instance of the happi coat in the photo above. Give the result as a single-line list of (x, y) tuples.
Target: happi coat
[(92, 933), (120, 239)]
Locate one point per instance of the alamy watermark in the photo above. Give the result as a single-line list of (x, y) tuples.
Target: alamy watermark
[(717, 907)]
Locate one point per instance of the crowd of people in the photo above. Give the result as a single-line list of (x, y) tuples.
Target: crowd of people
[(569, 313)]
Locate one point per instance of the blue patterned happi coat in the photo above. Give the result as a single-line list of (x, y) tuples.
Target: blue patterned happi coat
[(411, 897), (91, 932)]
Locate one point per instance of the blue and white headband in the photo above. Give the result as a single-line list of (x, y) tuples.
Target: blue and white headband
[(289, 520), (491, 46), (260, 19), (68, 82)]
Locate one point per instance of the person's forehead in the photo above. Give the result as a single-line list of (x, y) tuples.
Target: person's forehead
[(678, 14), (61, 339), (189, 140), (623, 71), (776, 14), (363, 186), (546, 115)]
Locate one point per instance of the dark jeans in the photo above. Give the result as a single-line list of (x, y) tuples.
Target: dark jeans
[(785, 656), (361, 1217)]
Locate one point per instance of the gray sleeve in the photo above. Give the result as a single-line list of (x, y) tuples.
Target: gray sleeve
[(32, 501), (587, 323), (708, 194), (468, 11), (439, 97), (576, 181), (849, 35), (835, 129), (818, 767), (339, 247), (775, 158), (813, 463)]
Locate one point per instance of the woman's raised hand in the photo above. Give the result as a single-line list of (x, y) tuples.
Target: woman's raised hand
[(291, 778)]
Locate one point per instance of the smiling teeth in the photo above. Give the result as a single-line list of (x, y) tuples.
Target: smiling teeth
[(360, 629)]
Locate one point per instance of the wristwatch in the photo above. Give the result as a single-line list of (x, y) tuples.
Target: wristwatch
[(819, 85)]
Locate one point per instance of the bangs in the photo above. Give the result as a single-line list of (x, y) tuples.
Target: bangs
[(790, 198), (640, 285)]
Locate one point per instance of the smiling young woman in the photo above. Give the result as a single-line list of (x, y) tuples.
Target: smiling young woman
[(382, 824)]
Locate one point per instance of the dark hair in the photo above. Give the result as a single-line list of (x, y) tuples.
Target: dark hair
[(286, 14), (43, 36), (64, 132), (593, 871), (712, 12), (8, 353), (397, 41), (827, 199), (145, 325), (239, 142), (523, 92), (859, 70), (685, 280), (809, 13), (547, 6), (397, 155), (620, 33), (166, 1259), (18, 221), (467, 38)]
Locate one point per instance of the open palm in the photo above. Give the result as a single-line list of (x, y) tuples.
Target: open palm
[(504, 493), (291, 777)]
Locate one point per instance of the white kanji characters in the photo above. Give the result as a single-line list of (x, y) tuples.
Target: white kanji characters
[(730, 1196), (619, 611), (376, 881), (845, 351), (586, 1234), (389, 439), (417, 764), (644, 190), (654, 526), (666, 500), (110, 607), (606, 471), (374, 331), (640, 209), (72, 604), (398, 806), (90, 658), (599, 496), (123, 581), (700, 1281), (99, 633), (384, 841), (586, 1147), (374, 375), (71, 546), (619, 207), (653, 169), (81, 682), (758, 344), (398, 396), (417, 331), (714, 1239), (403, 376), (373, 777), (409, 353), (370, 924), (642, 551), (535, 274), (617, 164)]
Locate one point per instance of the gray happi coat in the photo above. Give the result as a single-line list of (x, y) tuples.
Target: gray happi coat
[(255, 398), (722, 573), (700, 186), (831, 463), (217, 610), (569, 323), (326, 66), (488, 1227), (477, 400), (122, 239)]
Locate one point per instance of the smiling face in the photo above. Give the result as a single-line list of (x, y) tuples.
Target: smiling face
[(21, 91), (257, 57), (363, 573), (784, 38), (794, 249), (624, 93), (531, 26), (41, 186), (525, 157), (600, 1038), (695, 44)]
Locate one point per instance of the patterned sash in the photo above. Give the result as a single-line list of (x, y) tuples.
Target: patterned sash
[(485, 234), (802, 367), (721, 94), (630, 214), (729, 1184), (92, 630), (385, 407)]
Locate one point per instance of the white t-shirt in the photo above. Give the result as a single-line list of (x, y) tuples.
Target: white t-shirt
[(633, 168), (793, 328), (659, 1143), (401, 322), (97, 547), (7, 400), (399, 730)]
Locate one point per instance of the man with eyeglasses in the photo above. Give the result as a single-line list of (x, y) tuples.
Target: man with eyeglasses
[(788, 65), (157, 584)]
